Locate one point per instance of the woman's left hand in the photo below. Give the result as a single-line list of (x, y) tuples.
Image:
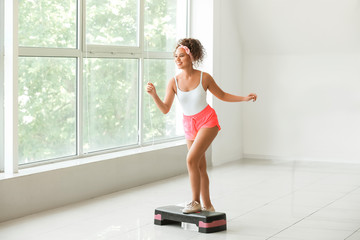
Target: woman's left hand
[(252, 96)]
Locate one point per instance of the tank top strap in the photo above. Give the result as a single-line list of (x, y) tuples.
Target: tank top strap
[(201, 78), (176, 82)]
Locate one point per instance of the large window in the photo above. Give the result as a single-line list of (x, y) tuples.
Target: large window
[(110, 103), (82, 71), (47, 108), (157, 126), (47, 23), (113, 22)]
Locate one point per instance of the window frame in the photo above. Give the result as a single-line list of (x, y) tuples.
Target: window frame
[(81, 52), (10, 146), (2, 20)]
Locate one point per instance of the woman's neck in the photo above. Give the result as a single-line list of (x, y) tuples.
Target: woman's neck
[(187, 73)]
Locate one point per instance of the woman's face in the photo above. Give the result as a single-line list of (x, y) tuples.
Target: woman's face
[(182, 59)]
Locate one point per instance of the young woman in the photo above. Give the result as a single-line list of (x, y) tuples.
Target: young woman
[(200, 121)]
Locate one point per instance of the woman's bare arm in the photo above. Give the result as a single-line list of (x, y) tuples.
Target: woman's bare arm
[(224, 96), (165, 105)]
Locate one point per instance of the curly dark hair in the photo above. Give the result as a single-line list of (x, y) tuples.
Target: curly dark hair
[(196, 48)]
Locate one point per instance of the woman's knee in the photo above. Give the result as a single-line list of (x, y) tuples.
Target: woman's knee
[(192, 162)]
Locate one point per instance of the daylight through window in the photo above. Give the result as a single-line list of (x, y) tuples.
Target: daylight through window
[(82, 69)]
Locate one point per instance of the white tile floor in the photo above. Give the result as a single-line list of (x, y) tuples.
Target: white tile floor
[(275, 200)]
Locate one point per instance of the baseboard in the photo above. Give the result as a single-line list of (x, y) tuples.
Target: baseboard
[(299, 158)]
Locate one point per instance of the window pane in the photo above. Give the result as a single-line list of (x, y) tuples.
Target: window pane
[(165, 22), (112, 22), (110, 103), (156, 125), (47, 108), (47, 23)]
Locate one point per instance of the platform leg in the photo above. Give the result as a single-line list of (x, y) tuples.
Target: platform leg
[(215, 226), (159, 220), (166, 222)]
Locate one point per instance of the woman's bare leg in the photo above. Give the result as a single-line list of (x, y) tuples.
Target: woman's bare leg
[(204, 184), (204, 180), (196, 164)]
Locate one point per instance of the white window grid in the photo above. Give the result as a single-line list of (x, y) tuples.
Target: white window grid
[(9, 47)]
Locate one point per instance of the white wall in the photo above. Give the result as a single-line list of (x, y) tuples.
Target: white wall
[(299, 27), (308, 109), (221, 39), (223, 62), (303, 60), (201, 28), (227, 65), (31, 193)]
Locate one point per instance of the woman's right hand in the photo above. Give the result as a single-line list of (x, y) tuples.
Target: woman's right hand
[(150, 88)]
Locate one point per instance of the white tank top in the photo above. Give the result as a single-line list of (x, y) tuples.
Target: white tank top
[(193, 101)]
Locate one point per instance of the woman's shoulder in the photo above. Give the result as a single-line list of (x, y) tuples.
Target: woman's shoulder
[(172, 84), (207, 77), (174, 81), (205, 74)]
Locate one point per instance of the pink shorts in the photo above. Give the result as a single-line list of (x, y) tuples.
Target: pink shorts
[(207, 118)]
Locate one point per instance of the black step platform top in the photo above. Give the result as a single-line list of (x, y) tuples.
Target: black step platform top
[(206, 221)]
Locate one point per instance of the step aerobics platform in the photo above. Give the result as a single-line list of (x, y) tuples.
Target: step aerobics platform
[(207, 222)]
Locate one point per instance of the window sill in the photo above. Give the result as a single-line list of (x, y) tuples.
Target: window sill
[(90, 159)]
